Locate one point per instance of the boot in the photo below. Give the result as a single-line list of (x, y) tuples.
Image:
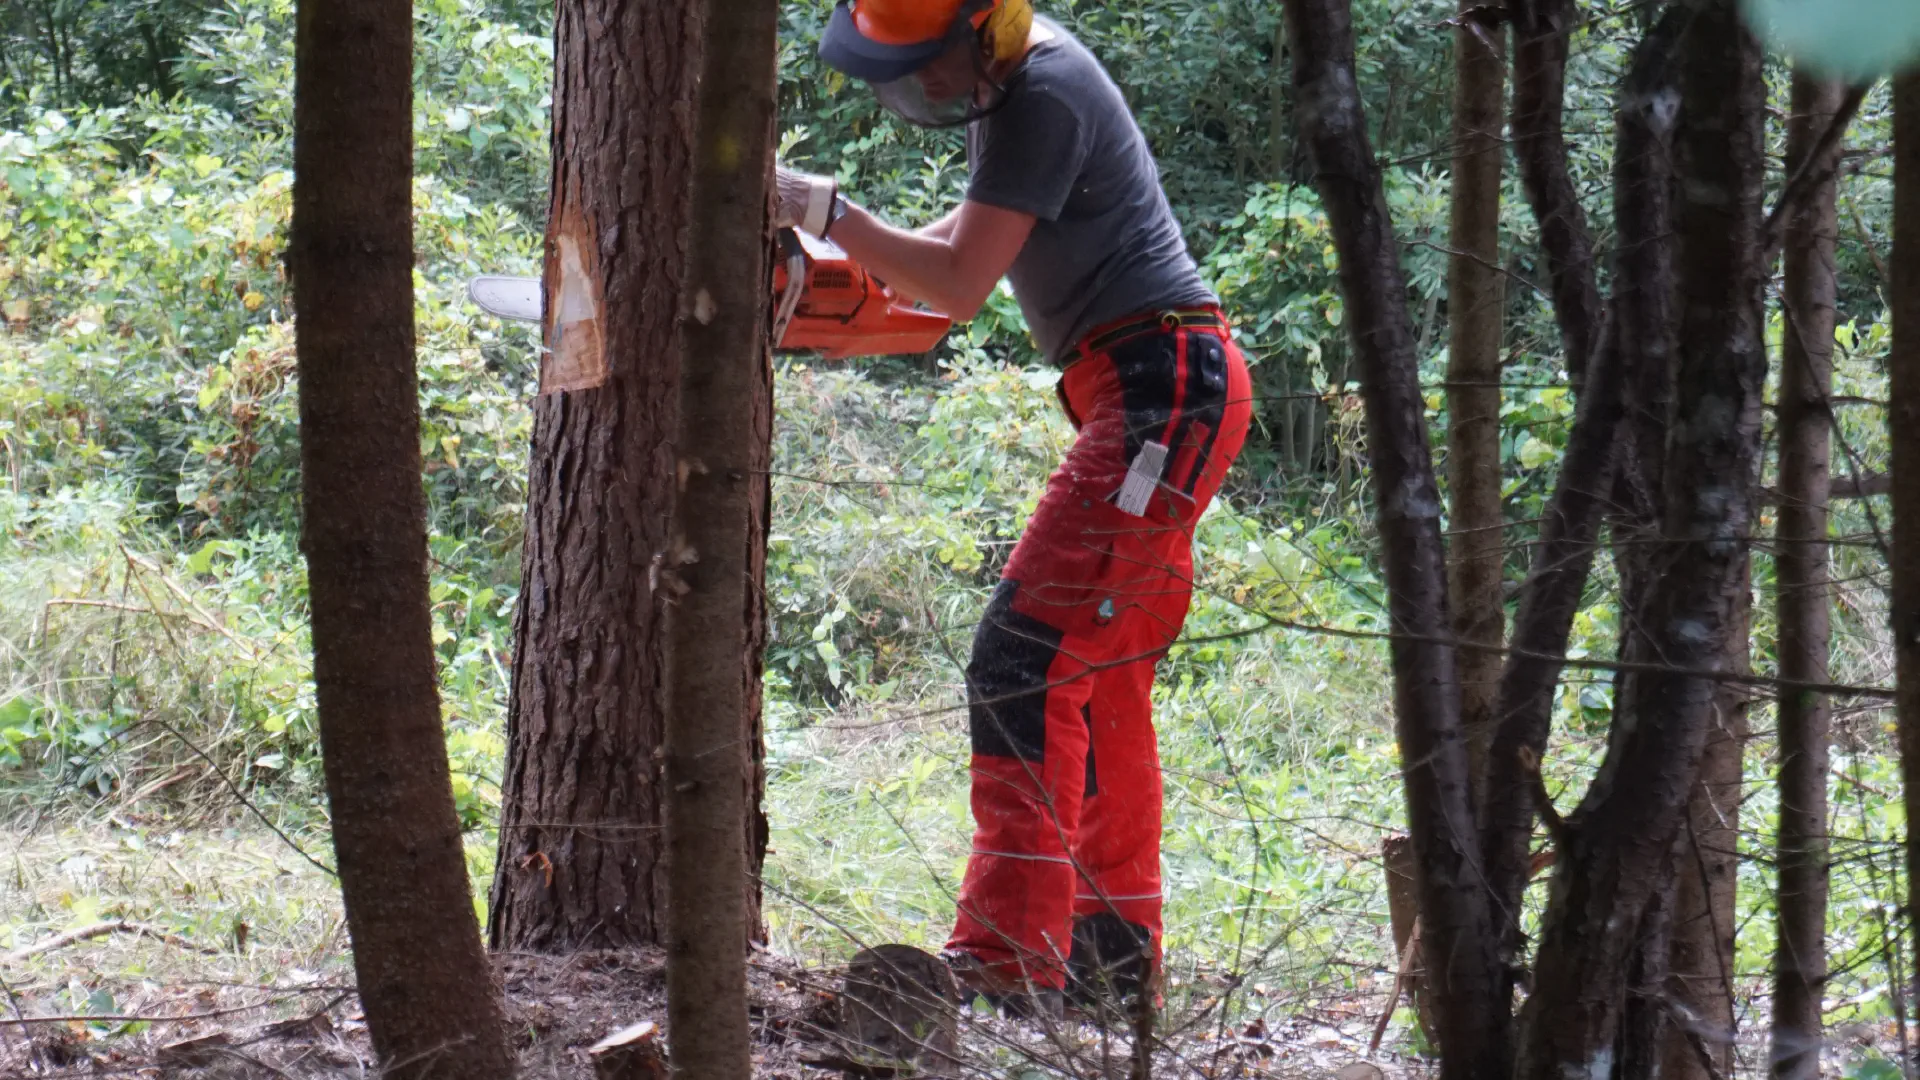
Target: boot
[(1109, 972), (1019, 1001)]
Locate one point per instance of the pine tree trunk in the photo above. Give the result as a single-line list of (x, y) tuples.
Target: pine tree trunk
[(1805, 596), (719, 527), (1903, 418), (1706, 876), (1474, 316), (1457, 923), (582, 858), (423, 979), (1615, 849)]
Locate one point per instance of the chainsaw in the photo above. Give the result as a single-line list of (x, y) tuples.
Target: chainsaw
[(823, 302)]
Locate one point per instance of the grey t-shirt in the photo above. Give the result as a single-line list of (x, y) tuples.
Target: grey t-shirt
[(1065, 149)]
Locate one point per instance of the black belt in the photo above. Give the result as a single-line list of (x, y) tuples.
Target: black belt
[(1163, 322)]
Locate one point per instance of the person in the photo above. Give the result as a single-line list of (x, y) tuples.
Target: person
[(1062, 890)]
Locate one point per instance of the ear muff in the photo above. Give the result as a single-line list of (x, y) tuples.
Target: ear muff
[(1005, 32)]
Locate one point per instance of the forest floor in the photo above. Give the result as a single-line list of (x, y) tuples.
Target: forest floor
[(142, 950)]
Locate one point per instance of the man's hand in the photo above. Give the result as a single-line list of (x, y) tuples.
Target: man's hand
[(806, 201)]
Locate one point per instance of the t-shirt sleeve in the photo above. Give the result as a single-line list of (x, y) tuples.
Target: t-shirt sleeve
[(1029, 156)]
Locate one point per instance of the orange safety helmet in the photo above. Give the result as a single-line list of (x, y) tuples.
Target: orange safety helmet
[(888, 42)]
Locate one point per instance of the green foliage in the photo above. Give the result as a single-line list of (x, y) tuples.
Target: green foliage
[(152, 595)]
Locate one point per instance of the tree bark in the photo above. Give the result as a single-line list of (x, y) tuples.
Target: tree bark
[(581, 858), (1542, 30), (422, 977), (726, 377), (1706, 877), (1903, 419), (1804, 594), (1645, 1024), (1475, 312), (1456, 921), (1615, 847)]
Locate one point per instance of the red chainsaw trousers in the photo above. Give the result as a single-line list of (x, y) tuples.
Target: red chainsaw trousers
[(1066, 788)]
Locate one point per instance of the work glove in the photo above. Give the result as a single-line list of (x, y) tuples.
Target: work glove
[(806, 201)]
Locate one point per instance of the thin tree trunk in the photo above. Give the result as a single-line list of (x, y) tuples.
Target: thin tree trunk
[(1615, 848), (1639, 338), (581, 860), (1474, 318), (1277, 113), (1903, 418), (719, 524), (1456, 921), (1800, 565), (422, 976), (1707, 876), (1541, 33)]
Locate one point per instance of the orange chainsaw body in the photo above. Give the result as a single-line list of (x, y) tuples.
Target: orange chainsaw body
[(835, 308)]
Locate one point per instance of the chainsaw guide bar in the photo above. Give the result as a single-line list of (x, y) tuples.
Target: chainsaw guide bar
[(824, 303)]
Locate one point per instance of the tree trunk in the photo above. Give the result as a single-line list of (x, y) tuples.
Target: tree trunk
[(1638, 341), (1457, 923), (422, 976), (1474, 317), (1800, 564), (726, 380), (1644, 1022), (1707, 876), (1903, 418), (1614, 849), (581, 858), (1542, 30)]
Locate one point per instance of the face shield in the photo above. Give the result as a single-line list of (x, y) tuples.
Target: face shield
[(944, 82)]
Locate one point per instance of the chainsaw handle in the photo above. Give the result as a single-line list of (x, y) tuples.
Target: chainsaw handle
[(788, 245)]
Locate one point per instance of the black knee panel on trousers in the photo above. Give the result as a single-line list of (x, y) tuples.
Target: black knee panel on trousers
[(1007, 680)]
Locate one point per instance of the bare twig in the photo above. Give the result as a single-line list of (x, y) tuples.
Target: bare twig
[(102, 929)]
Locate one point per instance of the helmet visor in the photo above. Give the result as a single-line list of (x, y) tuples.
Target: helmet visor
[(952, 89)]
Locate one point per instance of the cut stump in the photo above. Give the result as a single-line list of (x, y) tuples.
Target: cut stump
[(632, 1053), (898, 1011)]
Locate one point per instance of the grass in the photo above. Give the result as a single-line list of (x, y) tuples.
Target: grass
[(145, 680)]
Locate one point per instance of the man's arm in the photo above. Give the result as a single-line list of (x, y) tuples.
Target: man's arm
[(952, 265), (942, 229)]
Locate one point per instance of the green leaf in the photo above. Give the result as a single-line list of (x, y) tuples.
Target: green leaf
[(17, 714), (1876, 1068), (1534, 453)]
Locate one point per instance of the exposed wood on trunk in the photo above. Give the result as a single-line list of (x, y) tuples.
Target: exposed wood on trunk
[(1614, 396), (422, 976), (1804, 591), (1542, 30), (1455, 919), (1619, 840), (719, 526), (1475, 311), (1706, 877), (581, 858), (1903, 420)]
